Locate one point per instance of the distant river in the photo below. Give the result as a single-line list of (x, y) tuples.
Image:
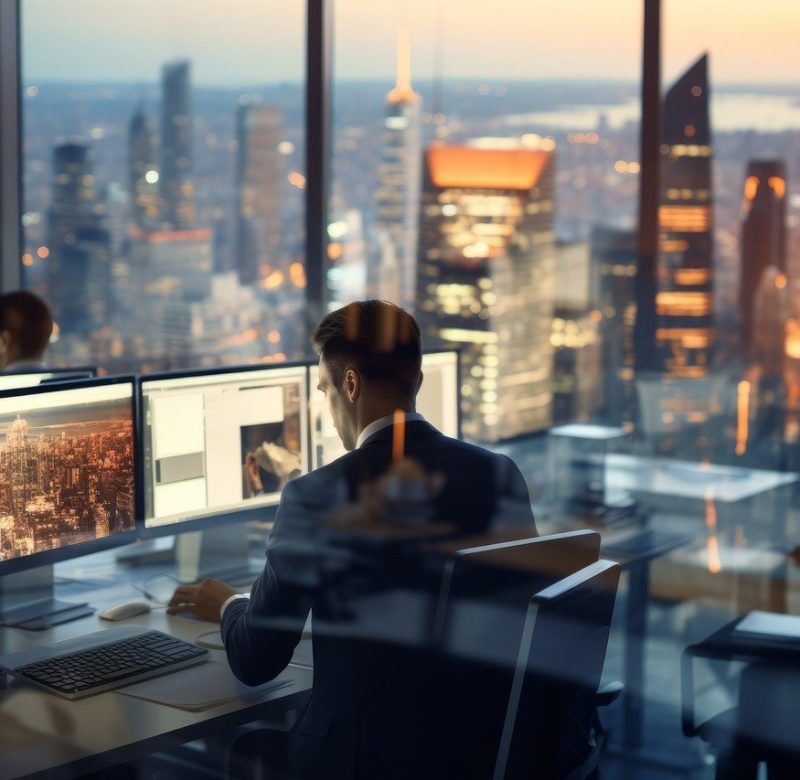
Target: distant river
[(764, 113)]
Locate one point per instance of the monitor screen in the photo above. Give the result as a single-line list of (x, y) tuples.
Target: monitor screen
[(67, 459), (21, 380), (437, 401), (223, 442)]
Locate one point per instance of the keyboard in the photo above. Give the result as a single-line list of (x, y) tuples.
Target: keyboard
[(94, 664)]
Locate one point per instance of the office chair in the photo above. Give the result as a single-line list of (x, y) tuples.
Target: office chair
[(480, 616), (760, 728), (550, 728)]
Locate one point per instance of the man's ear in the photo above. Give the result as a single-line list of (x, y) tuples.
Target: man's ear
[(352, 385), (419, 382)]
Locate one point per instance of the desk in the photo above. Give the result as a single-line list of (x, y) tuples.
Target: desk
[(41, 733), (726, 645)]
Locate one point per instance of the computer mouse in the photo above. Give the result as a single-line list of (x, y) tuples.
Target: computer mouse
[(124, 611)]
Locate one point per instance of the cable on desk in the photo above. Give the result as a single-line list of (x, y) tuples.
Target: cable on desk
[(144, 588)]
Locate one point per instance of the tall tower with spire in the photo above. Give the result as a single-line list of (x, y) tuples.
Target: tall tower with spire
[(398, 194)]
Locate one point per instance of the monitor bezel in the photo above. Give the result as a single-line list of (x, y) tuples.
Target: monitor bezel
[(49, 557), (457, 352), (91, 370), (260, 512)]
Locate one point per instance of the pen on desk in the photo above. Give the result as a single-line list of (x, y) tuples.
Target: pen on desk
[(398, 435)]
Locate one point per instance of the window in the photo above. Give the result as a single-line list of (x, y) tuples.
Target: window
[(163, 179)]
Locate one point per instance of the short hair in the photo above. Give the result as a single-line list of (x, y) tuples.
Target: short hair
[(378, 338), (27, 317)]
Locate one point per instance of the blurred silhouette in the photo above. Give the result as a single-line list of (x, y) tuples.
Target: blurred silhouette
[(363, 542), (25, 329)]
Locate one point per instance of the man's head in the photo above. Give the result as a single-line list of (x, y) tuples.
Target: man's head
[(370, 357), (25, 327)]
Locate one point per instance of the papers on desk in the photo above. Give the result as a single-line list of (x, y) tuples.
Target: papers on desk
[(769, 625), (201, 687)]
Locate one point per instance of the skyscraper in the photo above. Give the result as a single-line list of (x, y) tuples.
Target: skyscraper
[(79, 241), (486, 278), (399, 173), (177, 190), (684, 335), (142, 171), (613, 256), (258, 191), (763, 236)]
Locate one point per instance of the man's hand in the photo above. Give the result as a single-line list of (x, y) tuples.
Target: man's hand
[(203, 599)]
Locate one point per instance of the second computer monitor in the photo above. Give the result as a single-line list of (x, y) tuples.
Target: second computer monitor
[(437, 401), (221, 443)]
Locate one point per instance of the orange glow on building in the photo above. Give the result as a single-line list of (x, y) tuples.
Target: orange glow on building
[(43, 252), (742, 416), (780, 281), (297, 274), (685, 219), (273, 281), (777, 185), (476, 168), (689, 277), (335, 251), (698, 337), (751, 187), (296, 179), (683, 304), (793, 339), (27, 259)]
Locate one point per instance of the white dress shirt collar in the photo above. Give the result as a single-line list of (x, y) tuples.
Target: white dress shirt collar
[(384, 422)]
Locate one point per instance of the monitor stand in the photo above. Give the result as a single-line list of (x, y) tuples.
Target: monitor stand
[(145, 552), (222, 553), (27, 601)]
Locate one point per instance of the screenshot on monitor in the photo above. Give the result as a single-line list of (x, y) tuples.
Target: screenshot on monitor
[(221, 442), (67, 460), (438, 401), (23, 379)]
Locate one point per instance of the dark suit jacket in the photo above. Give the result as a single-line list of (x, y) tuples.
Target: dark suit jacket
[(378, 709)]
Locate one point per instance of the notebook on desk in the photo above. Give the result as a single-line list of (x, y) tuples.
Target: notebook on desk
[(768, 626)]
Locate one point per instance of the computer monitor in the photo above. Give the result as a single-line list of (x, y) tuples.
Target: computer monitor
[(19, 380), (219, 445), (438, 401), (67, 456)]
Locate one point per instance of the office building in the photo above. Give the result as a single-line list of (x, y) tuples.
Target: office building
[(397, 197), (258, 191), (486, 279), (613, 258), (576, 336), (763, 242), (142, 172), (684, 336), (347, 260), (175, 176), (79, 244)]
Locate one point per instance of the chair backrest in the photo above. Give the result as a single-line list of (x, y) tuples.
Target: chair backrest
[(485, 590), (550, 711), (480, 616)]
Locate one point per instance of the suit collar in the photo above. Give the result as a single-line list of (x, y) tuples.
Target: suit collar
[(414, 429)]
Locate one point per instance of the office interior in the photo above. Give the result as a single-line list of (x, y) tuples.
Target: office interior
[(591, 212)]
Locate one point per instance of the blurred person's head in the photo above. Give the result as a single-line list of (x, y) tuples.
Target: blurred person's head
[(25, 327), (369, 366)]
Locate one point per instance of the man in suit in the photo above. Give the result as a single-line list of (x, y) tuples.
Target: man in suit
[(378, 708)]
